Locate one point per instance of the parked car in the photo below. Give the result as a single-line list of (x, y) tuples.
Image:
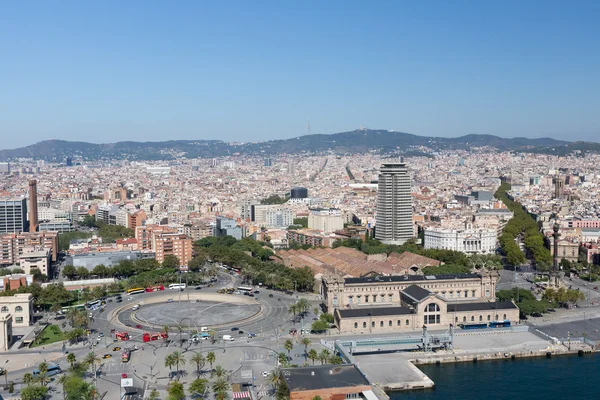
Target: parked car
[(106, 356), (169, 300), (235, 328), (270, 294)]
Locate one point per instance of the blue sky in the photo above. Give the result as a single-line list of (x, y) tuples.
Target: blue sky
[(244, 71)]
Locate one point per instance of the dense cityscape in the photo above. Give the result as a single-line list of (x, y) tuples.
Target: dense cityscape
[(235, 277)]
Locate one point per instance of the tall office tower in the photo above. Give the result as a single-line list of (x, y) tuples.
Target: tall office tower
[(33, 209), (213, 162), (4, 168), (268, 162), (69, 162), (13, 215), (290, 168), (394, 205)]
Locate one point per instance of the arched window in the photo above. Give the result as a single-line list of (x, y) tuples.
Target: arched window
[(366, 298), (372, 324), (472, 318), (480, 318), (464, 319), (432, 314), (350, 299), (18, 309), (4, 309), (456, 319), (381, 324), (407, 322), (335, 300), (488, 317), (504, 317), (496, 317), (398, 322), (390, 324), (374, 298), (355, 325), (364, 324)]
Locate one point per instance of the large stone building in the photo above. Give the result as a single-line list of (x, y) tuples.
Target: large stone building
[(20, 306), (405, 303), (470, 241), (6, 335)]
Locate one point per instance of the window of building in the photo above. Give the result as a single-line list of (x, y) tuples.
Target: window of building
[(488, 317), (372, 324), (366, 298), (381, 324), (496, 317), (472, 318), (355, 325), (398, 324), (374, 298), (4, 309), (350, 299), (390, 297), (390, 324), (456, 319), (364, 324), (18, 309), (504, 317), (464, 319), (335, 299), (466, 293), (19, 320), (358, 299), (472, 293), (407, 322), (480, 318), (432, 314)]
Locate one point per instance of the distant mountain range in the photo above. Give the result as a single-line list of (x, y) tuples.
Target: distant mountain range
[(358, 141)]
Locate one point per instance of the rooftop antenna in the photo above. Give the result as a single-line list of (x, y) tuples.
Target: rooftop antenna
[(309, 125)]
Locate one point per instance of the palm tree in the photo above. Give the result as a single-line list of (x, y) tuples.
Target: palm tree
[(71, 359), (313, 355), (197, 359), (91, 359), (28, 378), (316, 311), (169, 362), (178, 358), (306, 341), (324, 356), (210, 358), (288, 345), (293, 309), (303, 305), (220, 386), (220, 372), (275, 377), (43, 375), (198, 387)]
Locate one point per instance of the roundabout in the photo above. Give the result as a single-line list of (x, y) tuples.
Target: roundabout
[(195, 314)]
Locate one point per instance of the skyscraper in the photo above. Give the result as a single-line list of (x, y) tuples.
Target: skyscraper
[(267, 162), (33, 209), (13, 215), (394, 224)]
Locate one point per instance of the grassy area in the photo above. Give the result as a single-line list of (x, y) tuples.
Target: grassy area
[(51, 334)]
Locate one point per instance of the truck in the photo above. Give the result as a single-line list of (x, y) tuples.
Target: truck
[(228, 338), (121, 336)]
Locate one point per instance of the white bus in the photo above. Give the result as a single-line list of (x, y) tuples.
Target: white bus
[(92, 305), (173, 286), (245, 289)]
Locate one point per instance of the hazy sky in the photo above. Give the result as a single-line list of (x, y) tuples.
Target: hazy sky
[(106, 71)]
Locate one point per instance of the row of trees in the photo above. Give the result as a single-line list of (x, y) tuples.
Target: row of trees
[(73, 385), (200, 386), (522, 225), (253, 258)]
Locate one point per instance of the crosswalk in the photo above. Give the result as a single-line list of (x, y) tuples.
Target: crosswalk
[(115, 368)]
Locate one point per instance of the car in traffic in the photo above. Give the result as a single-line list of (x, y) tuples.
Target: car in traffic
[(241, 332), (139, 326), (116, 348), (235, 328), (266, 373), (101, 334), (119, 300), (124, 376), (271, 295), (169, 300), (198, 287), (256, 291), (106, 356)]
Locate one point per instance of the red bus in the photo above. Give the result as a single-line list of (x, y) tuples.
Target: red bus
[(155, 288), (154, 336)]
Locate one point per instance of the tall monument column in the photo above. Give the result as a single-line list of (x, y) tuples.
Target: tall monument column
[(33, 206)]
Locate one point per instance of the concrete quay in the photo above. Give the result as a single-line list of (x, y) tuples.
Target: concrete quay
[(398, 371)]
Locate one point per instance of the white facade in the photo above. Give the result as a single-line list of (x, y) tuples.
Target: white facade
[(279, 218), (470, 241), (325, 223)]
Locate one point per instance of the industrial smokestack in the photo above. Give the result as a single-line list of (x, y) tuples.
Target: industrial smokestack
[(33, 210)]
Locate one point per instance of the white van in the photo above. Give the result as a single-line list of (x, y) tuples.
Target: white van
[(228, 338), (204, 329), (136, 307)]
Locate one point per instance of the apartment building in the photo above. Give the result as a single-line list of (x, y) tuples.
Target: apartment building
[(326, 220), (12, 246), (13, 215), (394, 205), (163, 241)]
